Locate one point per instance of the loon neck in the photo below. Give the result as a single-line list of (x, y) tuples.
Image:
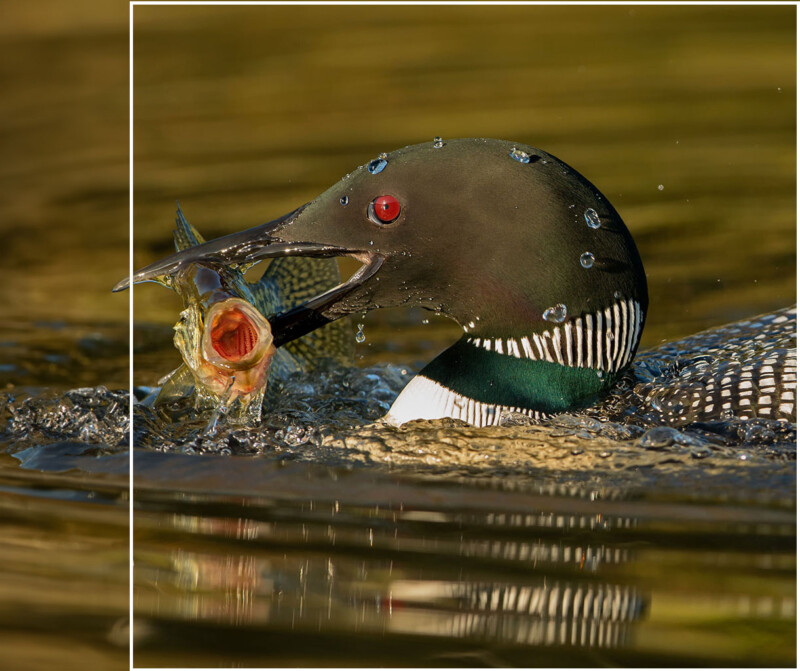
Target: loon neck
[(559, 368)]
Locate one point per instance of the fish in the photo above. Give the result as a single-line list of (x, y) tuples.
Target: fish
[(224, 336)]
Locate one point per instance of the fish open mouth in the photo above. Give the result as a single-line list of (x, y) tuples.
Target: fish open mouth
[(233, 335), (256, 244), (236, 336)]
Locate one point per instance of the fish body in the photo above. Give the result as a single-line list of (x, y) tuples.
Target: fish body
[(224, 336)]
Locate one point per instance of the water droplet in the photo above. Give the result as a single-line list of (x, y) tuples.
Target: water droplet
[(377, 165), (344, 200), (617, 295), (371, 243), (519, 155), (360, 337), (660, 187), (592, 218), (587, 259), (437, 142), (556, 314), (426, 321)]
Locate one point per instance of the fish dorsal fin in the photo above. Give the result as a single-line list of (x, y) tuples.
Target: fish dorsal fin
[(185, 235), (292, 280)]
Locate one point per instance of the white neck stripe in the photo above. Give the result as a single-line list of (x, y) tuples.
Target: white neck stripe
[(604, 340)]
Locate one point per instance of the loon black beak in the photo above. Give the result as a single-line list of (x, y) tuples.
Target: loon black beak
[(263, 242)]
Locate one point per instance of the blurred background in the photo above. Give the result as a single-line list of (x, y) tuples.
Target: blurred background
[(63, 243), (683, 116)]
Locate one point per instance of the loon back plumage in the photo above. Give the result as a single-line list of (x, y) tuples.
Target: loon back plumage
[(744, 370)]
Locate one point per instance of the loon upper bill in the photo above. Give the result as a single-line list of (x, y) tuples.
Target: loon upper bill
[(513, 244)]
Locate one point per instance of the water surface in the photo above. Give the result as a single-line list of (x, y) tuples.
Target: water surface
[(326, 538)]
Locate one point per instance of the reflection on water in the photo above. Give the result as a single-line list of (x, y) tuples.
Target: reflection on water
[(609, 536), (578, 543), (581, 572)]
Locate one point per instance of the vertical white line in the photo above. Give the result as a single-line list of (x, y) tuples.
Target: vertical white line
[(526, 347), (601, 336), (623, 345), (617, 338), (568, 344), (130, 336), (538, 342), (557, 345), (629, 338), (609, 327), (545, 340), (589, 346), (579, 341)]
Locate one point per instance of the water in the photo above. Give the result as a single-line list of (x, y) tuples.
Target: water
[(592, 218), (377, 165), (519, 155), (602, 537), (631, 543), (555, 314), (64, 496)]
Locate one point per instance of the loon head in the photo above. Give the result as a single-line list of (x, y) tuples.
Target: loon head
[(516, 246)]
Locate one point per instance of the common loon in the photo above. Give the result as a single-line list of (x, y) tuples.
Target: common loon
[(516, 246)]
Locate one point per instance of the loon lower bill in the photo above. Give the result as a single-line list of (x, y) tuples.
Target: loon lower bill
[(517, 247)]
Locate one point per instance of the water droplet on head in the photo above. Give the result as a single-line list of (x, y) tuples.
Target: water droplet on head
[(360, 337), (377, 165), (344, 200), (660, 187), (556, 314), (426, 321), (519, 155), (437, 142), (592, 218), (617, 295), (587, 259)]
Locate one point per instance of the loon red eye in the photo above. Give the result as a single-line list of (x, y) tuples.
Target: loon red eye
[(384, 209)]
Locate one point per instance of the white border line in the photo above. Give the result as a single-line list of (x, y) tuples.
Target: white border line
[(130, 336), (468, 3), (361, 3)]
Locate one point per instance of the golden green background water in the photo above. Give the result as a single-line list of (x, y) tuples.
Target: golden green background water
[(244, 113)]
